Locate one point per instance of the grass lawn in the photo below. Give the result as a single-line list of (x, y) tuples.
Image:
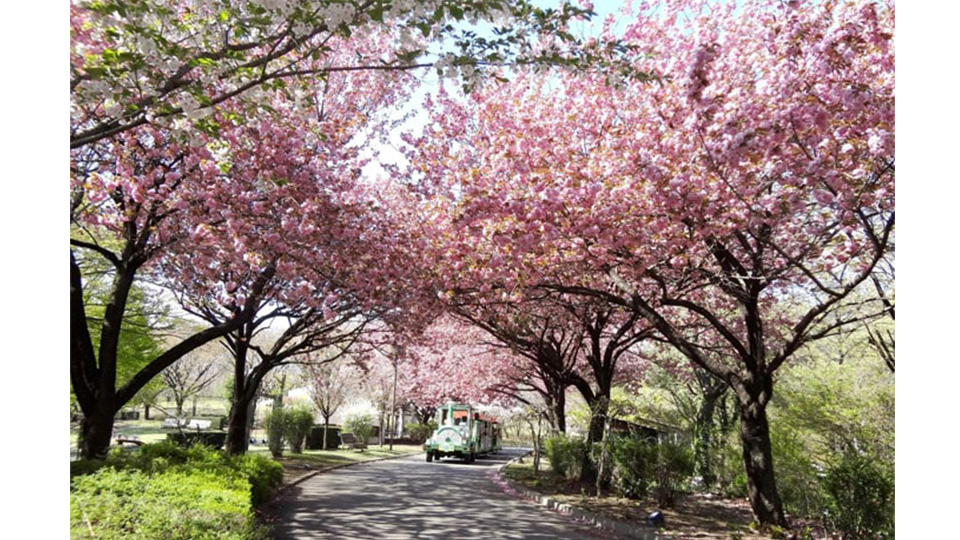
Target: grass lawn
[(148, 431), (296, 465), (693, 516)]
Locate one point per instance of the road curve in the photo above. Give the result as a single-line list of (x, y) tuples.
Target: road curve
[(408, 498)]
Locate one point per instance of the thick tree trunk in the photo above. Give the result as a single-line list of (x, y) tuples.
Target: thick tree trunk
[(146, 411), (556, 409), (599, 406), (239, 420), (758, 458), (251, 415), (94, 438), (238, 436)]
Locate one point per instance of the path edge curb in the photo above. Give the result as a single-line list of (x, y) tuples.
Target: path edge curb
[(637, 532)]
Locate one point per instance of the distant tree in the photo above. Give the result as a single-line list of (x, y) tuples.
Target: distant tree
[(330, 384), (149, 396), (255, 354), (192, 374), (361, 425)]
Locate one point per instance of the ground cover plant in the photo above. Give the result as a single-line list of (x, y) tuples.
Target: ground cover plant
[(164, 491)]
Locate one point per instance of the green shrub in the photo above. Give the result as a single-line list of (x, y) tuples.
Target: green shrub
[(298, 423), (556, 450), (276, 425), (634, 464), (420, 432), (315, 438), (566, 455), (86, 466), (641, 467), (729, 468), (264, 474), (213, 439), (360, 425), (798, 479), (176, 505), (860, 497), (674, 468), (168, 449)]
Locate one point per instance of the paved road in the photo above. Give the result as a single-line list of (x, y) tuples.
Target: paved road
[(408, 498)]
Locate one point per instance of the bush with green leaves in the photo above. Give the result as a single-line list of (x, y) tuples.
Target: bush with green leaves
[(566, 455), (731, 477), (298, 420), (276, 426), (823, 412), (361, 425), (264, 474), (315, 437), (798, 476), (860, 497), (213, 439), (172, 505), (420, 432), (674, 468), (165, 491), (634, 464)]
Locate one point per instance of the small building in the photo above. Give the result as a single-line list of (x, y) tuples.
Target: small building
[(645, 429)]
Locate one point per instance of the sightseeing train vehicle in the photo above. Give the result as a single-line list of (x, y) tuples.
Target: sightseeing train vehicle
[(463, 433)]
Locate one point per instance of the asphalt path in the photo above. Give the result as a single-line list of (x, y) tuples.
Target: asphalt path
[(408, 498)]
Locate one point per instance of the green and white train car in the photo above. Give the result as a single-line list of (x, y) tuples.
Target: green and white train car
[(462, 433)]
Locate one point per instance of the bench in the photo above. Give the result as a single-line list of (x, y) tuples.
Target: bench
[(122, 440), (192, 424), (349, 442), (172, 423)]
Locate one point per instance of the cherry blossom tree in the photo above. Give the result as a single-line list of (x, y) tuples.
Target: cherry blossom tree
[(142, 63), (453, 361), (220, 218), (546, 342), (166, 99), (579, 342), (736, 206)]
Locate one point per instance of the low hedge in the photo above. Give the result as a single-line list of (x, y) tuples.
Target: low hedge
[(315, 437), (213, 439), (165, 491), (566, 455)]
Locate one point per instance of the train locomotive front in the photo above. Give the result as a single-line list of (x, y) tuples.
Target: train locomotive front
[(463, 433)]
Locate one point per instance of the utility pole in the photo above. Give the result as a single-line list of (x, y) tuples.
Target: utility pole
[(393, 410)]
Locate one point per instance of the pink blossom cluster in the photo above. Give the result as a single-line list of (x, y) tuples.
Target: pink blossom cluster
[(763, 154)]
